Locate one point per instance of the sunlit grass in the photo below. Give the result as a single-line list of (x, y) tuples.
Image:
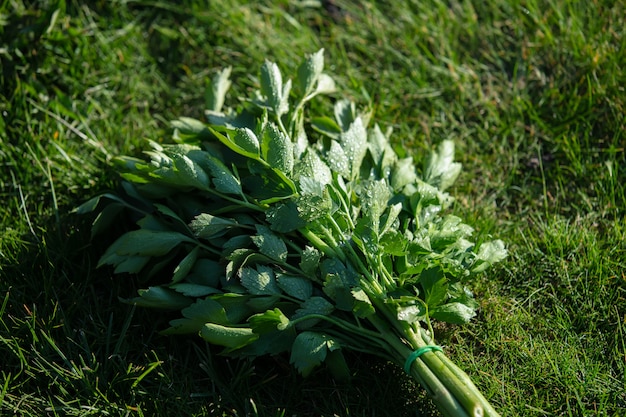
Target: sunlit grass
[(532, 93)]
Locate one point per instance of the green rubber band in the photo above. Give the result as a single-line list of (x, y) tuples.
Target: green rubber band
[(417, 353)]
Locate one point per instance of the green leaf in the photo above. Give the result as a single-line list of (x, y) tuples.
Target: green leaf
[(454, 313), (353, 142), (194, 290), (223, 178), (284, 217), (403, 174), (362, 305), (273, 89), (260, 281), (247, 140), (441, 170), (144, 243), (207, 226), (206, 272), (128, 264), (336, 289), (105, 219), (314, 305), (270, 244), (345, 113), (229, 337), (263, 302), (232, 145), (269, 321), (190, 173), (309, 72), (159, 297), (216, 91), (325, 84), (488, 254), (311, 166), (338, 160), (326, 126), (435, 286), (310, 260), (394, 243), (185, 266), (297, 287), (236, 306), (309, 350), (190, 127), (277, 149), (196, 316), (411, 313), (375, 198), (382, 153)]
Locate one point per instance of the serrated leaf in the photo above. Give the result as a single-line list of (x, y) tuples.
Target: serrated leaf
[(314, 305), (298, 287), (269, 243), (277, 149), (435, 286), (207, 226), (159, 297), (310, 260), (454, 313), (411, 313), (229, 337), (353, 142), (284, 217), (223, 178), (390, 217), (375, 198), (216, 92), (382, 153), (235, 305), (190, 173), (338, 160), (441, 170), (260, 281), (394, 243), (336, 290), (362, 306), (403, 173), (268, 321), (488, 254), (272, 88), (196, 316), (309, 350), (311, 165)]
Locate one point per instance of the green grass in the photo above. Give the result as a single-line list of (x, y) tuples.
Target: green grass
[(532, 92)]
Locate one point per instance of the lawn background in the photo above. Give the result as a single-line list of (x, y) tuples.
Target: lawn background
[(532, 92)]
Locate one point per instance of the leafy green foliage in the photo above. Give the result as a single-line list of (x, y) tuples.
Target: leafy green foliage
[(321, 238)]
